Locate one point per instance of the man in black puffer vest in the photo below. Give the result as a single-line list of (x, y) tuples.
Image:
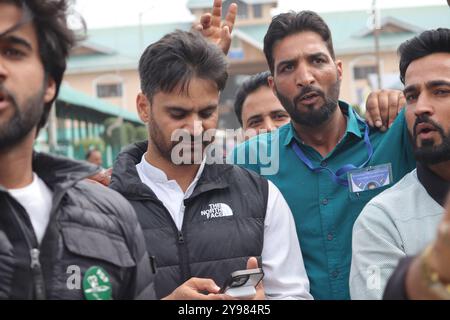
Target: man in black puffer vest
[(201, 219), (60, 236)]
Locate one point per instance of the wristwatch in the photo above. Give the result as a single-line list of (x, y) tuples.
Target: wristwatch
[(431, 277)]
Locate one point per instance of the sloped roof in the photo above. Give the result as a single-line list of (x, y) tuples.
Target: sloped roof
[(88, 48), (346, 27), (126, 47), (126, 44), (390, 21), (72, 96)]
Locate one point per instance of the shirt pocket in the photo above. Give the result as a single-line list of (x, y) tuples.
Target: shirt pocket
[(88, 247)]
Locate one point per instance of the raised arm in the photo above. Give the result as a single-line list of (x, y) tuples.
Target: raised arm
[(216, 30)]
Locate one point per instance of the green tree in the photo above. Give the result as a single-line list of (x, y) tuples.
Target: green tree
[(119, 134), (83, 145)]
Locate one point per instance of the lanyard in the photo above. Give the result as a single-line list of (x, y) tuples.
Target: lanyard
[(335, 176)]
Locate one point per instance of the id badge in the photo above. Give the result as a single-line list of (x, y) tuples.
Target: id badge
[(370, 178)]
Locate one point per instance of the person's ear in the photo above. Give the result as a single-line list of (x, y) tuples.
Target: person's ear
[(339, 69), (272, 86), (50, 90), (143, 107)]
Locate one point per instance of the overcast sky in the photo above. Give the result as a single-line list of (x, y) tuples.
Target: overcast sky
[(105, 13)]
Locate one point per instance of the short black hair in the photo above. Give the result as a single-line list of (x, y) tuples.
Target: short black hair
[(176, 59), (247, 87), (90, 152), (55, 39), (428, 42), (286, 24)]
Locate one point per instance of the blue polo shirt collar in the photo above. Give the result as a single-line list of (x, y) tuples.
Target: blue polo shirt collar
[(353, 125)]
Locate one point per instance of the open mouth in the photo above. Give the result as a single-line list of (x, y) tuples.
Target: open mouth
[(309, 99), (309, 96), (424, 129), (4, 99)]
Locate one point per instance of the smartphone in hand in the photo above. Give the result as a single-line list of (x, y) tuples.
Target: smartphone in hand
[(242, 283)]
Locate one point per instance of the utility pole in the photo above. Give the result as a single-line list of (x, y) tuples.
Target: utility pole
[(141, 31), (141, 26), (376, 36)]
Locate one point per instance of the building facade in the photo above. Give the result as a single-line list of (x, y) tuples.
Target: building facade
[(105, 65)]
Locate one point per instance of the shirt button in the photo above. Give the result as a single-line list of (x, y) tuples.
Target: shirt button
[(325, 201), (334, 274), (323, 164), (330, 237)]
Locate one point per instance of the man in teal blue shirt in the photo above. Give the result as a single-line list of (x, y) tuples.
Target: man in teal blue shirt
[(327, 162)]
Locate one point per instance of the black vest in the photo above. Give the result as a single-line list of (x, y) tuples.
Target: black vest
[(223, 222), (89, 226)]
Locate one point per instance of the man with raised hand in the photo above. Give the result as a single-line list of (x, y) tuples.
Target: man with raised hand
[(328, 163)]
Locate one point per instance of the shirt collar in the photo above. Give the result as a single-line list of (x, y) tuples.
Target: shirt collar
[(157, 175), (436, 187), (353, 125)]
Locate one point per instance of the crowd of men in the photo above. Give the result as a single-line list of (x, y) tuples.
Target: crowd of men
[(354, 208)]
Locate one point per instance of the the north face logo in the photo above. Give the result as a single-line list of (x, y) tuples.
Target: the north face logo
[(217, 210)]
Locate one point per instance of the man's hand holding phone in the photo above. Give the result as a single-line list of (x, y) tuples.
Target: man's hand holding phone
[(243, 283), (197, 289), (246, 284), (206, 289)]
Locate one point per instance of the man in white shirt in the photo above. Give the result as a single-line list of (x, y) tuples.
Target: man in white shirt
[(36, 198), (201, 219), (404, 219)]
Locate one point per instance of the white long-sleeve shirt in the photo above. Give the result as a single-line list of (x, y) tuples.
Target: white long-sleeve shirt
[(399, 222), (284, 271)]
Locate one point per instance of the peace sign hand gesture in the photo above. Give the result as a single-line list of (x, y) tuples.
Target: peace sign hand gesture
[(216, 30)]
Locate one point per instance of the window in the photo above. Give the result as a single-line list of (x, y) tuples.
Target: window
[(257, 10), (109, 90), (362, 72), (242, 11)]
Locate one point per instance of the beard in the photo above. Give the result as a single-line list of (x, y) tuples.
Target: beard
[(429, 153), (25, 117), (157, 139), (313, 117), (187, 150)]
